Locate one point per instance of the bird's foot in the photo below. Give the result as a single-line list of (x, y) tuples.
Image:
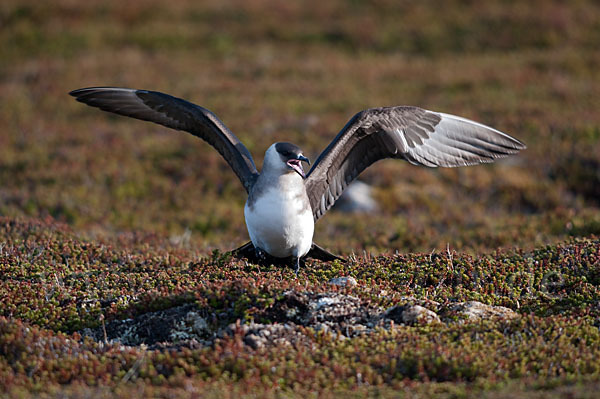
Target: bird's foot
[(260, 253)]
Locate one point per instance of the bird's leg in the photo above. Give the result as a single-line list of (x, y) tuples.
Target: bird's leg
[(297, 265), (260, 253)]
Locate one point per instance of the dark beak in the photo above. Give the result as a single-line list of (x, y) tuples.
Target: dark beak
[(303, 158), (296, 164)]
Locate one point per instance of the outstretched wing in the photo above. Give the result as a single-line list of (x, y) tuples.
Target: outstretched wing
[(419, 136), (177, 114)]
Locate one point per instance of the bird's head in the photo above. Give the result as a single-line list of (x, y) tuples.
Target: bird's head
[(284, 158)]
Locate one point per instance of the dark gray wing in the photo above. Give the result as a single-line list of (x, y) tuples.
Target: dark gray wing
[(177, 114), (419, 136)]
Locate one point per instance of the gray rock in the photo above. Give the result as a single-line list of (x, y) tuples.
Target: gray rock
[(412, 315), (175, 325), (254, 341), (474, 311), (192, 326), (343, 316)]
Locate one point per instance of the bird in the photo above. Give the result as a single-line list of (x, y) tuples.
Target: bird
[(284, 201)]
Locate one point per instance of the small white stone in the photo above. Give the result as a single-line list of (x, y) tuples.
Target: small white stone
[(327, 301), (344, 281)]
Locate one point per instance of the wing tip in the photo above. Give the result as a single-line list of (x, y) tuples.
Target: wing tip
[(80, 93), (515, 144), (520, 145), (95, 89)]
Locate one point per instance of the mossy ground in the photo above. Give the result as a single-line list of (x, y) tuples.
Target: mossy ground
[(102, 216), (54, 284)]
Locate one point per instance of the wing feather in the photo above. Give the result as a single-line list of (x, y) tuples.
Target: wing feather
[(177, 114), (416, 135)]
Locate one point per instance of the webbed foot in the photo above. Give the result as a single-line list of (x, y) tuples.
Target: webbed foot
[(260, 253)]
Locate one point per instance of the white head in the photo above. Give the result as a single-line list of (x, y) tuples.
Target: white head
[(284, 158)]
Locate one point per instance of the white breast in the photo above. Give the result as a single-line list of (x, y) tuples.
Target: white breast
[(278, 219)]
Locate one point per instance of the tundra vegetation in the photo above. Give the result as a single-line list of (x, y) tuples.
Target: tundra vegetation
[(114, 275)]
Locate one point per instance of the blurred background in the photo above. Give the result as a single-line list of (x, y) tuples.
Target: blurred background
[(298, 71)]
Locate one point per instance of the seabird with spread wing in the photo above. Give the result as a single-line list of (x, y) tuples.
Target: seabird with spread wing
[(284, 202)]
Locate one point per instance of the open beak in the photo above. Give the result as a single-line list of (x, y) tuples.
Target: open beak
[(296, 164)]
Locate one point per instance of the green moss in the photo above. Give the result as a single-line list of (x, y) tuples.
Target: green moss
[(53, 281)]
